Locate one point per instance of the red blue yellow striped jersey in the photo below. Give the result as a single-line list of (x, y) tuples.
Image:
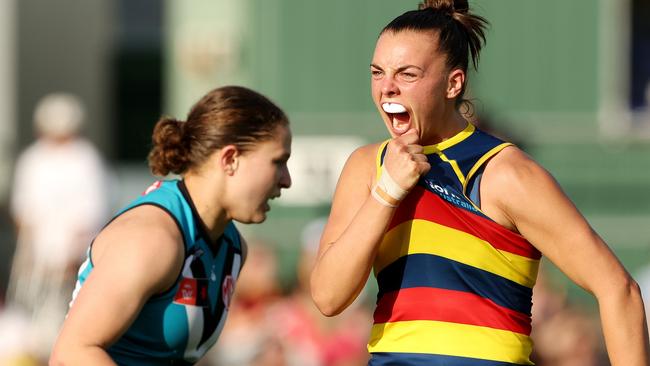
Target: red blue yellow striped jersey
[(455, 287)]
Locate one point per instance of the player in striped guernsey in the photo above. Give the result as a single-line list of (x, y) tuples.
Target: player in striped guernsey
[(157, 284), (454, 221)]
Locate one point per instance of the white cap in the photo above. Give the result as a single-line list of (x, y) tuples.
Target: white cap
[(59, 115)]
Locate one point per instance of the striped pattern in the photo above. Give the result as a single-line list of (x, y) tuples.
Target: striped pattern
[(422, 270), (423, 359), (426, 303), (455, 287), (426, 205), (425, 237), (433, 337)]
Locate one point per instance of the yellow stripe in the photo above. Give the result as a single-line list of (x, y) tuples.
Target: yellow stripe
[(378, 159), (454, 166), (434, 337), (425, 237), (437, 149), (462, 135), (482, 160)]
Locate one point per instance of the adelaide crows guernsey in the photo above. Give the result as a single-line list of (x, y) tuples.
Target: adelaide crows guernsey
[(178, 326), (455, 287)]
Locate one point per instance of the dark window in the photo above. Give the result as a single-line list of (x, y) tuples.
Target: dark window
[(640, 77), (138, 77)]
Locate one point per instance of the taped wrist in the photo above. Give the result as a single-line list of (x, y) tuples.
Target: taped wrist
[(387, 191)]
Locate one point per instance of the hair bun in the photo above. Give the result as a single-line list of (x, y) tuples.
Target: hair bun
[(449, 6)]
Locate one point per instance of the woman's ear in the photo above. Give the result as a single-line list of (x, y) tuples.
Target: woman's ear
[(455, 84), (229, 159)]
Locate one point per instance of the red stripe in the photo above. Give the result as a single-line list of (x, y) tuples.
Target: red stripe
[(423, 204), (426, 303)]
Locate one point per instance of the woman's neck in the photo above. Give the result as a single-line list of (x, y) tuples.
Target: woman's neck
[(205, 194), (444, 129)]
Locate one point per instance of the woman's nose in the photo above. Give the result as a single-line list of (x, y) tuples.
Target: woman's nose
[(285, 179), (389, 87)]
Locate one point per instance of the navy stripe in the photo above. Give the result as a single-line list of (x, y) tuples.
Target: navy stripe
[(420, 359), (426, 270), (471, 149), (441, 172)]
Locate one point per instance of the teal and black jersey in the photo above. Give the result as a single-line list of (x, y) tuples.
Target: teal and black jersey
[(178, 326)]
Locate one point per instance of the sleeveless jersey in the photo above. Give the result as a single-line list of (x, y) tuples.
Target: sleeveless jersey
[(455, 287), (178, 326)]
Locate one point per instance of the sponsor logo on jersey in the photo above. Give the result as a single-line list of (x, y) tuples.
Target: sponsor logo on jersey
[(192, 291), (449, 194)]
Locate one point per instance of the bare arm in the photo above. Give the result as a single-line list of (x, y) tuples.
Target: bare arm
[(357, 222), (521, 194), (138, 255)]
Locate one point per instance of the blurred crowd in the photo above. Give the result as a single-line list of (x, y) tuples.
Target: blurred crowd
[(59, 200)]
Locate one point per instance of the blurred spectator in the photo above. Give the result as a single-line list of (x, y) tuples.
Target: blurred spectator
[(563, 334), (312, 338), (58, 202), (14, 330), (643, 279)]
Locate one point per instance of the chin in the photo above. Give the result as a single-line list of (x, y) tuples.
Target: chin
[(256, 218), (259, 219)]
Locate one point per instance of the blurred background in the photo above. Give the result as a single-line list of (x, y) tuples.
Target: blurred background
[(567, 80)]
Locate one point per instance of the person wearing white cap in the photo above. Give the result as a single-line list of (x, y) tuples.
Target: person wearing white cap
[(58, 201)]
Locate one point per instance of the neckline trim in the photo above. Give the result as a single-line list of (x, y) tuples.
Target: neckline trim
[(203, 231), (457, 138)]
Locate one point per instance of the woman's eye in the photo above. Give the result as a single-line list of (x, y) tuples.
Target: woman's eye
[(408, 75)]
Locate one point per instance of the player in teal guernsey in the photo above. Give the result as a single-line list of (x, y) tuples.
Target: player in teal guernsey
[(193, 310), (157, 283)]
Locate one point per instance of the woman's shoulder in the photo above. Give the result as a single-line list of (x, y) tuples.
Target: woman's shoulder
[(513, 165), (146, 234), (510, 182), (367, 153)]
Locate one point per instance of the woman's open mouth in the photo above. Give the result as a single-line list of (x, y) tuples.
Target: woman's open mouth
[(399, 117)]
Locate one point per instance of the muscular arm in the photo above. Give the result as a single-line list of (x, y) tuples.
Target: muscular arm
[(350, 239), (358, 221), (520, 194), (138, 255)]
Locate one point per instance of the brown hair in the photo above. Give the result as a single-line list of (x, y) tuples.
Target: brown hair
[(460, 32), (230, 115)]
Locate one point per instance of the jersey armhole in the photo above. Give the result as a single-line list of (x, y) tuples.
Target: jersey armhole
[(379, 161), (180, 229), (472, 185)]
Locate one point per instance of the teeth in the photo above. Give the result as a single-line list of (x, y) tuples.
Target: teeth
[(393, 108)]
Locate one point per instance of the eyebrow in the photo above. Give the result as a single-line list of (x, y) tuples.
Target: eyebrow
[(401, 68), (285, 156)]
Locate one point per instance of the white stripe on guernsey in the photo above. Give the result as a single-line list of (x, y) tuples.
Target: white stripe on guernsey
[(195, 325), (195, 322), (236, 265), (77, 286), (210, 341), (187, 270)]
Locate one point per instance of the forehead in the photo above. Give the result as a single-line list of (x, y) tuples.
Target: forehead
[(280, 142), (406, 47)]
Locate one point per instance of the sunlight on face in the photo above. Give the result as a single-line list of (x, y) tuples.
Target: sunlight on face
[(408, 71), (261, 175)]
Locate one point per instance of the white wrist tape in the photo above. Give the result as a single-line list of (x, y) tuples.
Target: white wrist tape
[(387, 191)]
